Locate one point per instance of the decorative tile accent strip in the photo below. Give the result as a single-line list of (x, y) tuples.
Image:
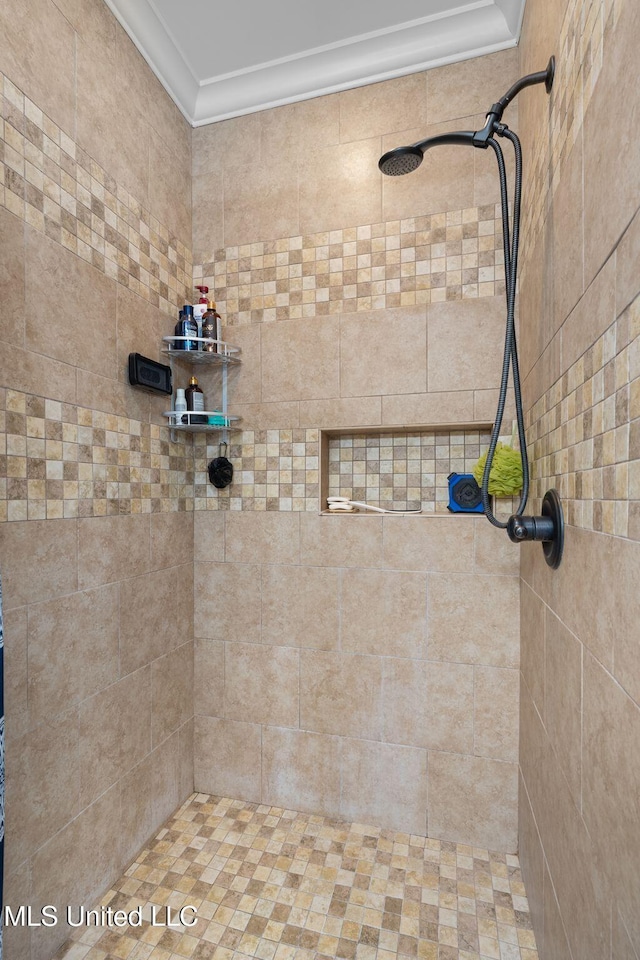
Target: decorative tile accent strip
[(275, 884), (59, 460), (585, 433), (47, 180), (404, 471), (273, 470), (279, 469), (447, 256), (579, 58)]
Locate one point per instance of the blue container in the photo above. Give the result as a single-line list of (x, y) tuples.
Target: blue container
[(465, 496), (186, 327)]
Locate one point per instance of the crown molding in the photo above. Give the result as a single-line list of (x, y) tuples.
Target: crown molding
[(469, 30), (154, 41)]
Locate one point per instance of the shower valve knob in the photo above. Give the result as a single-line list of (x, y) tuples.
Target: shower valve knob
[(530, 528), (548, 529)]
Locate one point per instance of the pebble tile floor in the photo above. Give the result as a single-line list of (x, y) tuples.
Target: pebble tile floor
[(280, 885)]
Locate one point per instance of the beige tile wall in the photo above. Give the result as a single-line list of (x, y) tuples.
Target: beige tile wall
[(338, 656), (405, 368), (95, 215), (327, 651), (99, 680), (97, 561), (580, 696)]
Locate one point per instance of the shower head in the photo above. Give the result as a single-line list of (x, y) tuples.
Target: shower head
[(403, 160)]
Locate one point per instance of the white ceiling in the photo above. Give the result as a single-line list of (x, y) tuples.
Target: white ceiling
[(222, 59)]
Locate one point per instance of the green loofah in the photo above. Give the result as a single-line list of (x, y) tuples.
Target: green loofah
[(505, 479)]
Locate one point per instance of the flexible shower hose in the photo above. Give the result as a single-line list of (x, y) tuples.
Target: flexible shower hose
[(511, 241)]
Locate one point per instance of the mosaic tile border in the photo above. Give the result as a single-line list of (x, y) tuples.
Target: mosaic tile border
[(60, 460), (48, 181), (273, 470), (448, 256), (279, 470), (585, 433)]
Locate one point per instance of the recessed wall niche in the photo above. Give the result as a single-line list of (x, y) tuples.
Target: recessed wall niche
[(398, 469)]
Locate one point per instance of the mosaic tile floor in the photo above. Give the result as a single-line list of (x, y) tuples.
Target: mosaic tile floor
[(279, 885)]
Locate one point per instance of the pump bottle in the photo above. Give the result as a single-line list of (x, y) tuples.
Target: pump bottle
[(199, 309), (212, 327), (195, 400)]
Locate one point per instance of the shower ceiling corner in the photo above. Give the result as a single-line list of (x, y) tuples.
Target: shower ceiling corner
[(215, 67)]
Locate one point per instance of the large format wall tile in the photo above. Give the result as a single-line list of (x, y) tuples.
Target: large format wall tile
[(384, 613), (208, 674), (16, 682), (292, 598), (474, 619), (563, 707), (275, 213), (610, 788), (59, 282), (475, 796), (156, 615), (470, 86), (112, 548), (228, 602), (73, 650), (261, 684), (371, 773), (612, 174), (339, 187), (380, 108), (329, 542), (429, 544), (227, 758), (444, 181), (452, 327), (170, 188), (38, 53), (301, 770), (12, 270), (300, 361), (340, 694), (49, 548), (43, 792), (262, 537), (171, 692), (75, 865), (495, 720), (383, 353), (115, 732)]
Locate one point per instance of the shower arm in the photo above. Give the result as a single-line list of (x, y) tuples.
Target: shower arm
[(481, 138), (494, 116)]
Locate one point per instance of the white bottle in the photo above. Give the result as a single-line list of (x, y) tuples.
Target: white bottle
[(199, 309), (180, 405)]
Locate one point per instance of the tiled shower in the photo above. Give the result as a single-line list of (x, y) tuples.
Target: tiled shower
[(355, 722)]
